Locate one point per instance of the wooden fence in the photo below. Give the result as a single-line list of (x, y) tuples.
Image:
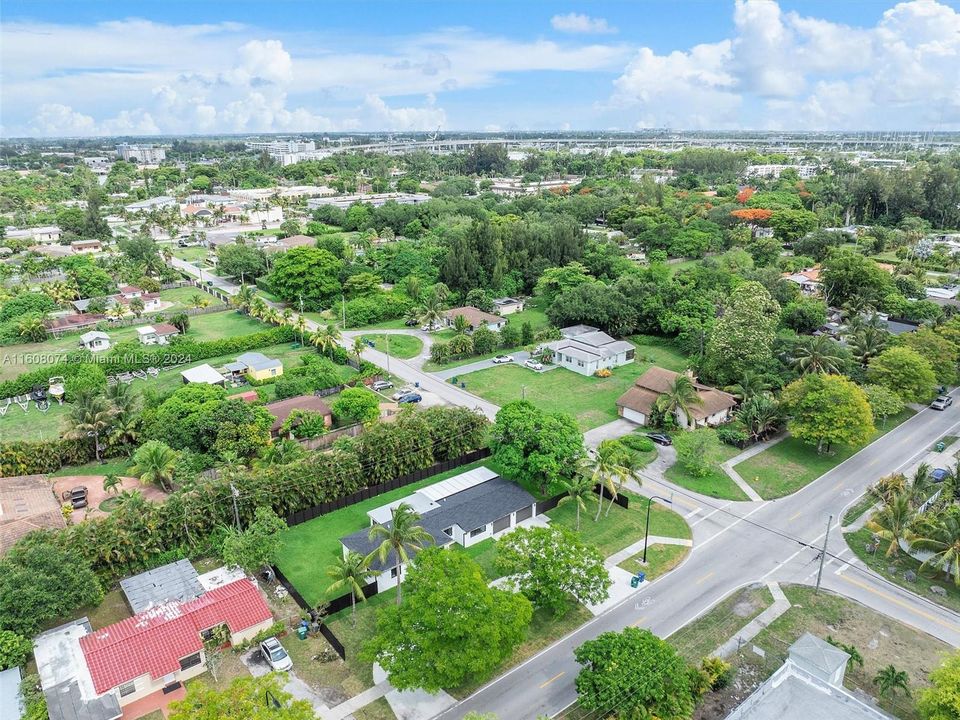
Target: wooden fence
[(328, 439)]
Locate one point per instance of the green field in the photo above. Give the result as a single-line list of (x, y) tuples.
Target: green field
[(716, 483), (591, 400), (400, 346), (182, 299), (661, 559), (791, 464), (33, 424), (190, 254)]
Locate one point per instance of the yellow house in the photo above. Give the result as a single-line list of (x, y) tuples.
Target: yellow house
[(256, 366)]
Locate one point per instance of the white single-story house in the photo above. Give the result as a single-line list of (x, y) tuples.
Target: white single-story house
[(475, 318), (158, 334), (86, 247), (256, 366), (807, 686), (95, 341), (585, 349), (204, 374), (637, 403), (89, 674), (42, 235), (465, 509), (507, 306)]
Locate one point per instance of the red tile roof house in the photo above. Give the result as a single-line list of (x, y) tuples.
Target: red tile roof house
[(145, 655)]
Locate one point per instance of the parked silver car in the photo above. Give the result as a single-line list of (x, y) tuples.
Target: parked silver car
[(274, 654)]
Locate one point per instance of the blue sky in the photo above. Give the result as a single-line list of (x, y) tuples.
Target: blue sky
[(107, 68)]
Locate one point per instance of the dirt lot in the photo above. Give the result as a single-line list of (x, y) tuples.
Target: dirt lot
[(880, 640), (96, 494)]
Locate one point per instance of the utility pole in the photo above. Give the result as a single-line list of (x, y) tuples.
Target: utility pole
[(234, 494), (646, 529), (343, 309), (823, 554)]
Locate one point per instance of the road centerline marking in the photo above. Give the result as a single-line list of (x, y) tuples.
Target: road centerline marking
[(555, 677), (706, 577)]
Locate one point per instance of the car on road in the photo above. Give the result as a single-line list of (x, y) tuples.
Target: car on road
[(382, 385), (938, 475), (274, 654), (533, 364), (660, 438), (410, 398), (942, 402), (502, 359), (405, 390)]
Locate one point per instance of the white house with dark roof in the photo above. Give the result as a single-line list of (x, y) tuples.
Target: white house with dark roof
[(465, 509), (95, 341), (585, 349)]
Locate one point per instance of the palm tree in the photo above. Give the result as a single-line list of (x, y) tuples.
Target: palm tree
[(32, 328), (413, 287), (244, 298), (460, 325), (578, 489), (257, 307), (334, 332), (431, 313), (611, 463), (941, 536), (280, 452), (154, 463), (358, 347), (681, 397), (300, 325), (751, 383), (890, 523), (440, 292), (889, 679), (351, 571), (889, 486), (90, 416), (867, 343), (816, 355), (112, 483), (760, 415), (401, 534), (321, 339), (286, 316)]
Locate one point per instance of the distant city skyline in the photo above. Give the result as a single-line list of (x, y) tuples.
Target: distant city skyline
[(148, 68)]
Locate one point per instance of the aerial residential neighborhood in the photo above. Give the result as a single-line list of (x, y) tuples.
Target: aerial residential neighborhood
[(492, 361)]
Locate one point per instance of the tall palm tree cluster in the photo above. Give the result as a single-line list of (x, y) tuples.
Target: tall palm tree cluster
[(249, 303), (110, 420), (899, 521)]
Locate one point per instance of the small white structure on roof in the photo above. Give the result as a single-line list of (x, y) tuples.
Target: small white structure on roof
[(204, 374), (95, 341)]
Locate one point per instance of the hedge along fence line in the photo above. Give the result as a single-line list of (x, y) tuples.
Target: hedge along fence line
[(128, 356), (42, 457), (145, 318)]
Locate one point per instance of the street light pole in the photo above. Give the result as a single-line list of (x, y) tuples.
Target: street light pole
[(646, 529)]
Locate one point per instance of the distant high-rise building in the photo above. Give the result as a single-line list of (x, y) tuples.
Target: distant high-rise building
[(144, 154)]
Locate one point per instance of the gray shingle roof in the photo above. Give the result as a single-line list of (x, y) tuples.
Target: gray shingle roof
[(472, 508), (174, 581), (258, 361)]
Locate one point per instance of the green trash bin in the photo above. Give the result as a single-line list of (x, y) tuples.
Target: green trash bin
[(302, 632), (941, 446)]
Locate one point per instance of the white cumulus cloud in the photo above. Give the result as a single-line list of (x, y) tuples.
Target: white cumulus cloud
[(579, 23)]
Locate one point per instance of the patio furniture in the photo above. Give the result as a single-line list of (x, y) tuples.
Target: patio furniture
[(140, 374), (153, 372), (4, 407), (23, 401), (111, 380)]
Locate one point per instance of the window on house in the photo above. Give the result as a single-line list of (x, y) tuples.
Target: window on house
[(580, 363), (630, 354), (128, 688), (393, 572), (448, 531), (478, 531), (190, 661)]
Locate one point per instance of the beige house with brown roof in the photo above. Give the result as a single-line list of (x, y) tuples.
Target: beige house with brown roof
[(475, 318), (637, 403)]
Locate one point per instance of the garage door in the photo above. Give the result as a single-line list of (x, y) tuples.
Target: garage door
[(501, 524), (525, 513), (634, 416)]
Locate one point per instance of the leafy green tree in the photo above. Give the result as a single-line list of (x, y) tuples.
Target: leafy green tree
[(399, 537), (827, 409), (556, 280), (743, 337), (804, 314), (890, 680), (526, 333), (307, 273), (942, 700), (940, 352), (847, 274), (534, 447), (351, 571), (695, 450), (256, 546), (883, 402), (551, 565), (245, 698), (40, 581), (633, 673), (240, 261), (452, 627), (791, 225), (484, 340), (154, 463), (289, 228), (357, 405), (363, 284), (905, 372), (14, 649)]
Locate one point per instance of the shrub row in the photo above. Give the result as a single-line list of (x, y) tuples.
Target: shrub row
[(36, 457)]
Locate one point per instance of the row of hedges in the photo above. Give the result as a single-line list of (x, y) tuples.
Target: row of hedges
[(377, 308), (36, 457), (131, 540), (129, 356)]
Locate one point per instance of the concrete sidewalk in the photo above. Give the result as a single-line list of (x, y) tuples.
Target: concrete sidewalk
[(753, 628), (728, 466), (348, 707)]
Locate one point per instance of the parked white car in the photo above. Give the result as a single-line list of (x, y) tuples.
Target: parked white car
[(405, 390), (533, 364), (502, 359), (274, 654)]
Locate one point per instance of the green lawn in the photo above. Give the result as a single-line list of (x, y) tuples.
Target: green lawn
[(791, 464), (182, 298), (33, 424), (113, 466), (716, 483), (661, 559), (190, 254), (534, 313), (400, 346), (881, 564), (659, 351), (309, 548)]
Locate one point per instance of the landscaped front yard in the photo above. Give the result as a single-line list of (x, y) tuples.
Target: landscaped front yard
[(396, 344), (791, 464), (716, 483)]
